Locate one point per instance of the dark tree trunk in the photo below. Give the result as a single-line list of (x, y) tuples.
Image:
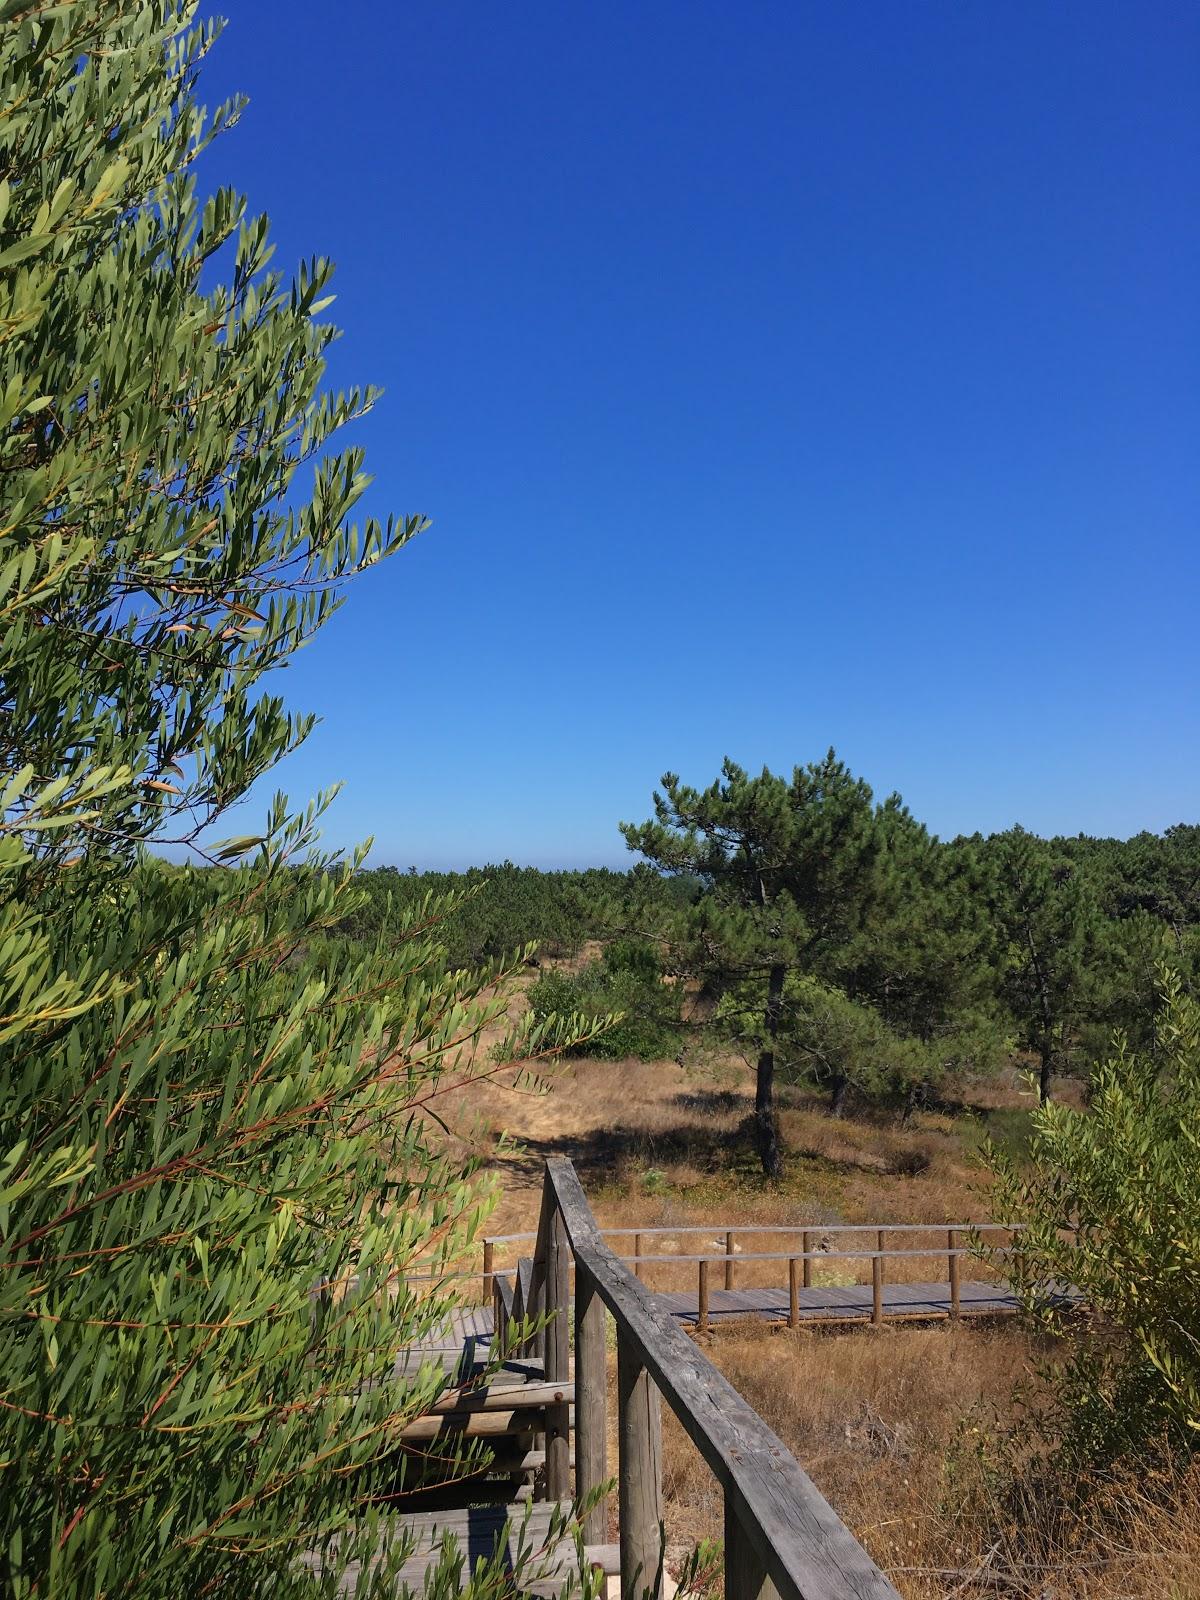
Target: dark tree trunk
[(1044, 1075), (766, 1129), (914, 1097), (837, 1100)]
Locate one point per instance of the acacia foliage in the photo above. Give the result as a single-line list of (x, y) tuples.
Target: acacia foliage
[(195, 1125), (1110, 1198)]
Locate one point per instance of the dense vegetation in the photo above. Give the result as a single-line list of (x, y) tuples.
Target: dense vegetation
[(832, 938), (197, 1124), (1111, 1202)]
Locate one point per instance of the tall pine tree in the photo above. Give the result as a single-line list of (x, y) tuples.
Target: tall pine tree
[(790, 870)]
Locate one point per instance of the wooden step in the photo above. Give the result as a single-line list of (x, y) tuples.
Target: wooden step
[(478, 1424), (481, 1530), (503, 1396)]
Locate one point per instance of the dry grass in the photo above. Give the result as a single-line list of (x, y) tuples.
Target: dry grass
[(659, 1146), (872, 1417), (895, 1425)]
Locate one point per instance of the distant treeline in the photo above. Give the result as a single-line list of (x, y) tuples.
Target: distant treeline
[(932, 957), (504, 908)]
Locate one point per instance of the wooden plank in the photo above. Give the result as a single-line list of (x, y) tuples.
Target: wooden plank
[(745, 1576), (485, 1531), (504, 1397), (951, 1252), (591, 1385), (639, 1475), (806, 1549), (781, 1227), (557, 1358), (525, 1305), (471, 1425)]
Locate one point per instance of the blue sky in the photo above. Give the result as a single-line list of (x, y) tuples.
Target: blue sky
[(775, 375)]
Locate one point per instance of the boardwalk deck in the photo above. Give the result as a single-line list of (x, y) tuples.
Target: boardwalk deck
[(461, 1345), (545, 1413), (849, 1302), (480, 1531)]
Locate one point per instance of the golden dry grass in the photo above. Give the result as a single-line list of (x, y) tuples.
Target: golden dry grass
[(893, 1424), (897, 1428), (871, 1416)]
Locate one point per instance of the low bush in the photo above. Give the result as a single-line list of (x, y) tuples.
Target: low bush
[(1111, 1202), (627, 982)]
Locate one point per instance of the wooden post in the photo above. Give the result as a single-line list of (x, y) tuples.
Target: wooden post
[(877, 1281), (591, 1404), (639, 1477), (806, 1240), (702, 1299), (729, 1259), (793, 1293), (952, 1247), (637, 1255), (558, 1358), (745, 1576), (488, 1249)]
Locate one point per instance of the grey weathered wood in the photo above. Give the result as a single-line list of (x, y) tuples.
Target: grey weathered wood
[(473, 1425), (808, 1552), (783, 1227), (502, 1311), (557, 1356), (591, 1406), (745, 1575), (525, 1305), (729, 1259), (639, 1475), (952, 1253), (506, 1461), (877, 1283), (480, 1531), (504, 1397), (702, 1298)]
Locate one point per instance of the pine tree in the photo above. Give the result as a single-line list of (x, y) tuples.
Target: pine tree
[(196, 1125), (790, 870), (1053, 938)]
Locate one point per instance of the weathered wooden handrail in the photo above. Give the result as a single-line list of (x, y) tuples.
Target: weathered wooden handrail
[(782, 1538), (779, 1227)]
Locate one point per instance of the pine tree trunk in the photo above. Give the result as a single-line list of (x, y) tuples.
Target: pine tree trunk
[(837, 1102), (1044, 1074), (766, 1130), (912, 1099)]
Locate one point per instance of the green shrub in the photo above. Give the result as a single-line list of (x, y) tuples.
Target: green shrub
[(629, 987), (1111, 1203)]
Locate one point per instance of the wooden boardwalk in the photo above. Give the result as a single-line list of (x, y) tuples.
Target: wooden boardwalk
[(537, 1402), (844, 1303), (462, 1346)]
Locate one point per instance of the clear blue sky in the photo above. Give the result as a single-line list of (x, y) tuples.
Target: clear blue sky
[(775, 375)]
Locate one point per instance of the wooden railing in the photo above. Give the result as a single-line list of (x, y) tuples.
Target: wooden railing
[(782, 1538), (814, 1247)]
